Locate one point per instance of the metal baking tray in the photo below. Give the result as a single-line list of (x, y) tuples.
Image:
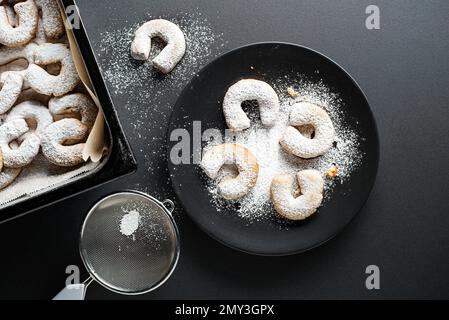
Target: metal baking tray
[(120, 160)]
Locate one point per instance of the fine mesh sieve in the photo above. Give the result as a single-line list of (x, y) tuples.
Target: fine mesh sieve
[(129, 243)]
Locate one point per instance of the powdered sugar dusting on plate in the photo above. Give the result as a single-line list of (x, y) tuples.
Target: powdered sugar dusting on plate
[(273, 160)]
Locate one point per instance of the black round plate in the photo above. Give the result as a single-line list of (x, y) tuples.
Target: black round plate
[(199, 102)]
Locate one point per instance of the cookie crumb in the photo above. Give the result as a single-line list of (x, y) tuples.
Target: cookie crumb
[(332, 173), (292, 92)]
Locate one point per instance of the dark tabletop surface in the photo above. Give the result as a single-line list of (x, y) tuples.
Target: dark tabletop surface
[(403, 69)]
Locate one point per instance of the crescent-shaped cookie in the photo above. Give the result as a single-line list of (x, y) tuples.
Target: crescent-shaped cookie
[(246, 90), (290, 206), (232, 188)]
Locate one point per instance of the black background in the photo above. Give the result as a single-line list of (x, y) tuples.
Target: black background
[(403, 69)]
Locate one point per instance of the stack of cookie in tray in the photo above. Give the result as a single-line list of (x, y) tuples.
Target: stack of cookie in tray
[(44, 110)]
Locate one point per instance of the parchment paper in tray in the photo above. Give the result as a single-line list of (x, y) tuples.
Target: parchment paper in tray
[(41, 175), (96, 144)]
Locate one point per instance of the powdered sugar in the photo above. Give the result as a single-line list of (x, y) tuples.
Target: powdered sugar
[(38, 177), (16, 36), (151, 94), (8, 55), (56, 134), (16, 66), (35, 113), (307, 114), (51, 19), (7, 176), (273, 160), (25, 153), (247, 90), (124, 73), (130, 223), (144, 222), (170, 56), (296, 197), (43, 82), (10, 91), (75, 103), (232, 154)]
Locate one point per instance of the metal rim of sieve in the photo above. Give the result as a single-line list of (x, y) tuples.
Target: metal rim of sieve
[(168, 211)]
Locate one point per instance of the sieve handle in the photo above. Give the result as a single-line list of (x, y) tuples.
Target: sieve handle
[(169, 205), (74, 291)]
